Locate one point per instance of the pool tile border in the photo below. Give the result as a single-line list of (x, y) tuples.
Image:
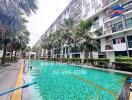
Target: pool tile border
[(17, 95)]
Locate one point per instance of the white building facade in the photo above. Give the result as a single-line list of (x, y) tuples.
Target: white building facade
[(115, 32)]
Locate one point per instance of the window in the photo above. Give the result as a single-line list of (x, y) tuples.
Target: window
[(96, 22), (128, 22), (127, 4), (120, 53), (119, 40), (129, 39), (130, 53), (117, 27), (93, 3), (75, 55), (86, 7)]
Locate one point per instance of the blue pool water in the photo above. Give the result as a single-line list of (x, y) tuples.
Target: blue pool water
[(57, 81)]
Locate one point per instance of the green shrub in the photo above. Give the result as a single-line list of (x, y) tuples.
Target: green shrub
[(124, 59), (96, 60)]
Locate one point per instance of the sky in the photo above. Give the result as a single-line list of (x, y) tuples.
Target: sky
[(48, 11)]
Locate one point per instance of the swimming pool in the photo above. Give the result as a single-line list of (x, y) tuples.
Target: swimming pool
[(57, 81)]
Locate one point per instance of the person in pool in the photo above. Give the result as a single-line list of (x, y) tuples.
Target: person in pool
[(31, 67)]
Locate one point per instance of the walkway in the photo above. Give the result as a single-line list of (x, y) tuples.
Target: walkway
[(8, 77)]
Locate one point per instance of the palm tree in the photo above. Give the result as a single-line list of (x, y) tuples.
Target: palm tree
[(87, 43), (68, 30), (11, 17), (17, 41)]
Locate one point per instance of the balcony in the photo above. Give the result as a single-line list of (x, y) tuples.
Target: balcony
[(120, 47), (107, 17), (107, 2), (117, 27), (74, 50), (96, 24), (128, 23), (109, 47), (107, 32), (127, 6)]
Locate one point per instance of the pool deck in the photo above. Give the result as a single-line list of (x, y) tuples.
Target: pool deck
[(130, 94), (8, 77), (17, 95)]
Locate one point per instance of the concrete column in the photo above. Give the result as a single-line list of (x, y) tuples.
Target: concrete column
[(70, 55), (95, 55), (111, 56), (42, 52), (65, 53), (126, 41), (82, 55)]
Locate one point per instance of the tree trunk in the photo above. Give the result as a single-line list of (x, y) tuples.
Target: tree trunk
[(85, 56), (15, 53), (11, 54), (4, 53)]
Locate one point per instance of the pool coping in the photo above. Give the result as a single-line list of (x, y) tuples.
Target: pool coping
[(17, 95), (103, 69)]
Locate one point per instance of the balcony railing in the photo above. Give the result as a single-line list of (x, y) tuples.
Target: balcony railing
[(107, 2), (117, 28), (127, 6), (120, 47), (107, 17), (109, 47), (96, 24), (107, 32), (74, 49), (129, 25)]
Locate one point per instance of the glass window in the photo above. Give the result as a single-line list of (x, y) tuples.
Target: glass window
[(128, 22), (120, 53), (93, 3), (117, 27), (130, 53), (86, 7), (129, 39)]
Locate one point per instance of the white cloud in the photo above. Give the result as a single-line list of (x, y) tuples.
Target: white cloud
[(48, 11)]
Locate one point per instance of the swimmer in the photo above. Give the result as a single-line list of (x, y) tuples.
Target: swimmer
[(31, 67)]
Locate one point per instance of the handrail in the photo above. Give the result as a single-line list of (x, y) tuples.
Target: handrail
[(14, 89)]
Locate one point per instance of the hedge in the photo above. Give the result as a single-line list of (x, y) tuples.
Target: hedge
[(124, 59), (99, 61)]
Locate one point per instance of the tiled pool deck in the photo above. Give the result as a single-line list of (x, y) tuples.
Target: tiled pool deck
[(17, 95)]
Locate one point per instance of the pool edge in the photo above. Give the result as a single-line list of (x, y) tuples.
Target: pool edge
[(17, 95)]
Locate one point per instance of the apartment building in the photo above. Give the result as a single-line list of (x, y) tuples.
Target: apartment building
[(74, 10), (115, 32)]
